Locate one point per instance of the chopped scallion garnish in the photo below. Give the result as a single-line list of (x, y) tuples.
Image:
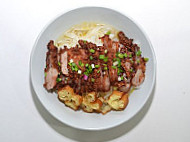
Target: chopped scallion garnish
[(86, 65), (92, 79), (105, 68), (101, 57), (146, 59), (59, 64), (114, 67), (80, 63), (108, 33), (122, 77), (97, 66), (105, 59), (105, 64), (120, 55), (58, 79), (70, 64), (92, 51), (138, 53), (125, 55), (91, 58)]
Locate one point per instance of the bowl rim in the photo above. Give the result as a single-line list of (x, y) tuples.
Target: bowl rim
[(105, 127)]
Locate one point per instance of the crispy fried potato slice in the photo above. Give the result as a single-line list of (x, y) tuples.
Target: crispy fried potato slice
[(118, 100), (67, 96)]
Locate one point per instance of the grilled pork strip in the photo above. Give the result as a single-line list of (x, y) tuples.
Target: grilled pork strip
[(51, 70)]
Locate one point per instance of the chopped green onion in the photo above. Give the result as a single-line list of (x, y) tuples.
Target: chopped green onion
[(119, 62), (105, 59), (122, 77), (86, 65), (90, 68), (97, 66), (73, 64), (70, 64), (117, 54), (91, 58), (146, 59), (106, 51), (80, 63), (114, 67), (120, 55), (105, 64), (92, 51), (130, 55), (119, 71), (45, 74), (132, 61), (101, 57), (92, 79), (138, 61), (86, 73), (114, 59), (98, 71), (125, 55), (58, 79), (131, 70), (108, 33), (138, 53), (59, 64), (84, 41), (105, 68), (76, 69)]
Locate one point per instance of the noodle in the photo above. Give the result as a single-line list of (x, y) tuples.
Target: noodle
[(89, 31)]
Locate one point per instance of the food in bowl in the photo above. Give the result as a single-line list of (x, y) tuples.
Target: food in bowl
[(93, 66)]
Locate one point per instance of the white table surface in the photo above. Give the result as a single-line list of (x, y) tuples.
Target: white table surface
[(166, 116)]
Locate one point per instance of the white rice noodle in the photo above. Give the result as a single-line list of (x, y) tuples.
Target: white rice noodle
[(89, 31)]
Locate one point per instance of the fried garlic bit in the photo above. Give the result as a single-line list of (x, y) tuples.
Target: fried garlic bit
[(118, 100), (67, 96), (91, 103)]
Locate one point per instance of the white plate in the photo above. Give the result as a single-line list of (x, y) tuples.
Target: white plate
[(79, 119)]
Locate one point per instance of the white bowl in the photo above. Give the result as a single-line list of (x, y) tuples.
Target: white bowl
[(79, 119)]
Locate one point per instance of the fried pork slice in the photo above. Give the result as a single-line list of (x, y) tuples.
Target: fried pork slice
[(118, 100), (51, 70), (90, 103), (107, 42), (125, 88), (67, 96), (63, 61), (124, 40), (138, 78), (105, 82)]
